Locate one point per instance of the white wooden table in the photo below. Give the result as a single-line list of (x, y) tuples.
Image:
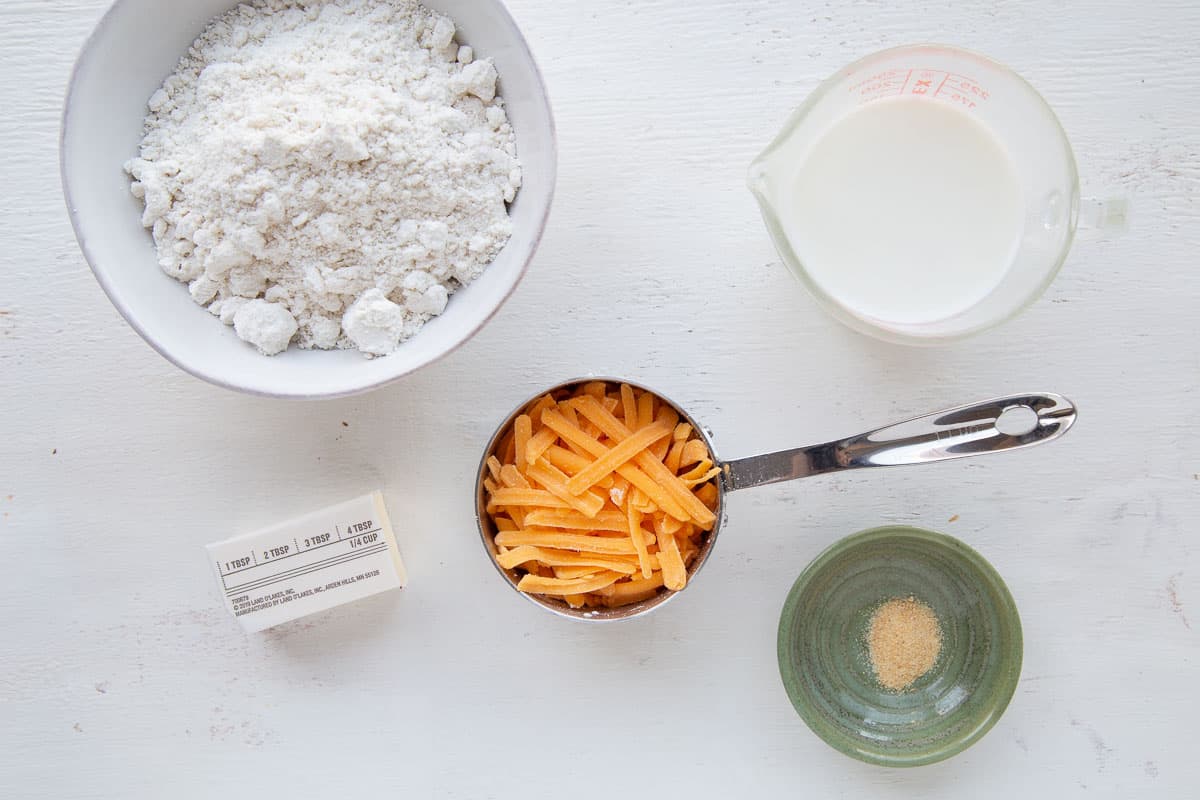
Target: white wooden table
[(122, 676)]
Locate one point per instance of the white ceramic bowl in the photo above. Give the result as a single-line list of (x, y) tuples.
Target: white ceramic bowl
[(132, 50)]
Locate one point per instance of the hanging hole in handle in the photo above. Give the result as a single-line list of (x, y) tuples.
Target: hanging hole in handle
[(1017, 421)]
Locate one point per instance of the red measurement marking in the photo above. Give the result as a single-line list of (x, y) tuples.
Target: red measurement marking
[(885, 83), (920, 83), (958, 97)]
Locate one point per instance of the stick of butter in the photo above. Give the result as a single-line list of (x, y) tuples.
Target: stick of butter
[(323, 559)]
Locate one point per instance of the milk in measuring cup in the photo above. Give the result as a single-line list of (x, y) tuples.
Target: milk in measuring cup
[(905, 210)]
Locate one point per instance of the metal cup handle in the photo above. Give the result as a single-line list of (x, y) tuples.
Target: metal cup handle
[(954, 433)]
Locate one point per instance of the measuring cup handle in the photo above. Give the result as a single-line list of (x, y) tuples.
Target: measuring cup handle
[(954, 433)]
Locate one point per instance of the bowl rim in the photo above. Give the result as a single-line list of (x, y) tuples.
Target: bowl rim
[(345, 390), (862, 749)]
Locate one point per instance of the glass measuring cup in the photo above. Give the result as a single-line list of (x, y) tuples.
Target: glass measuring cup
[(1004, 423), (1011, 110)]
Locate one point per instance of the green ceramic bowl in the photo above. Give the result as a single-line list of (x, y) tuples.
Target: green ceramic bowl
[(827, 672)]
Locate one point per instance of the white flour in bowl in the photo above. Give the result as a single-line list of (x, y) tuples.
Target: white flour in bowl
[(327, 173)]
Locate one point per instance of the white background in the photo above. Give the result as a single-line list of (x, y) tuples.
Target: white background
[(122, 676)]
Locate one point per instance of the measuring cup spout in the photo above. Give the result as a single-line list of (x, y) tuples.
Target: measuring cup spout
[(1003, 423), (758, 180)]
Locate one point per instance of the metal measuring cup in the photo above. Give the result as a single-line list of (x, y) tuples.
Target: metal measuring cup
[(990, 426)]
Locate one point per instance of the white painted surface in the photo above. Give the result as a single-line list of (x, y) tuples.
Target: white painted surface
[(121, 675)]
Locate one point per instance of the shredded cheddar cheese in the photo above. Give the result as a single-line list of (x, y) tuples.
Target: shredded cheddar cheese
[(600, 496)]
